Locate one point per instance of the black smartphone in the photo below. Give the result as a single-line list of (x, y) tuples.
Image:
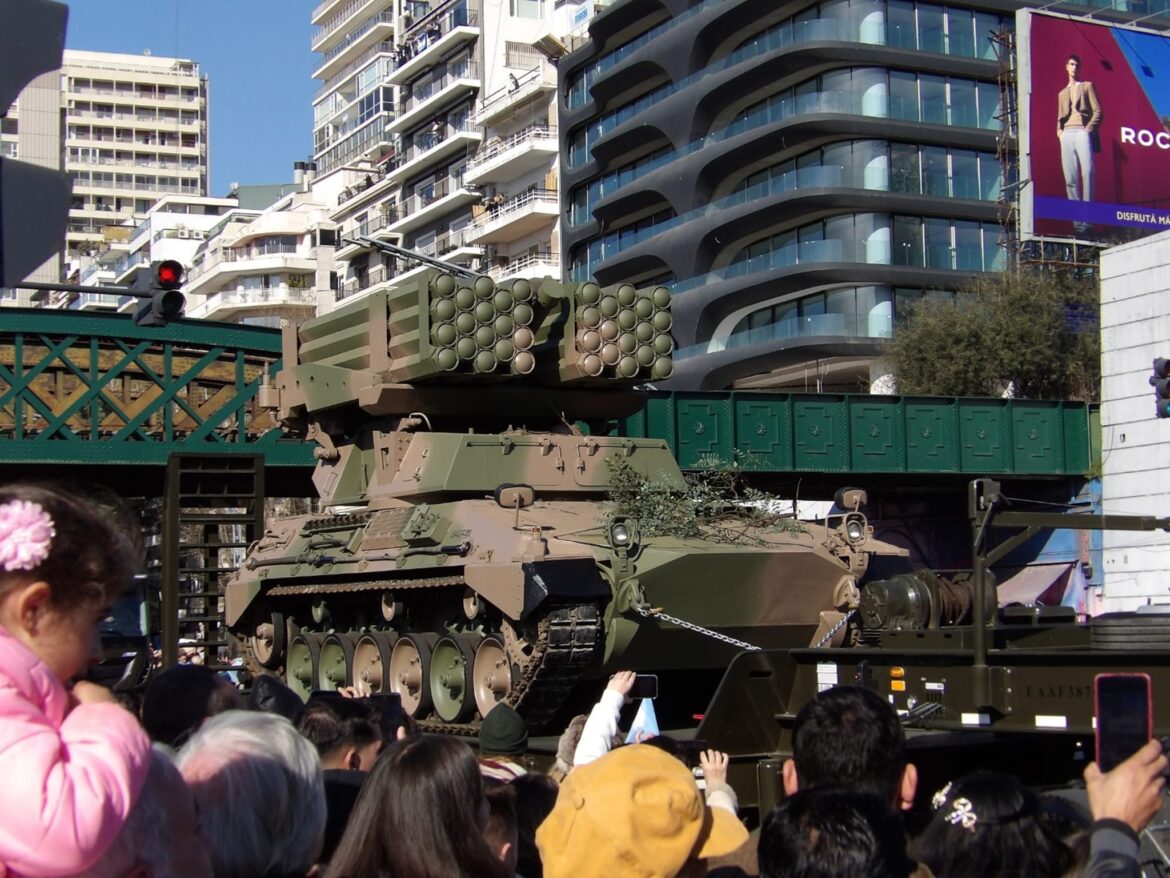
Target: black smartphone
[(1125, 716), (645, 686)]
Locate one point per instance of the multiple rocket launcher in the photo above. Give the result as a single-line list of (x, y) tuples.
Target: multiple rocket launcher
[(441, 326)]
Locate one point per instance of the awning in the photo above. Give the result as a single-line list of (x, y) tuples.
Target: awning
[(1042, 584)]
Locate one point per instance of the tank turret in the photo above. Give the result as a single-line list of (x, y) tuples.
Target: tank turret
[(465, 553)]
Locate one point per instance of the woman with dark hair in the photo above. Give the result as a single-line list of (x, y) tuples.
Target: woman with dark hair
[(988, 825), (421, 814)]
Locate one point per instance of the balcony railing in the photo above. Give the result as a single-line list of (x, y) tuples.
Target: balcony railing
[(254, 297), (217, 257), (353, 36), (517, 89), (384, 47), (491, 151), (355, 285), (428, 140), (443, 244), (420, 94), (131, 260), (849, 325), (501, 208), (426, 33), (428, 195), (526, 263), (339, 18)]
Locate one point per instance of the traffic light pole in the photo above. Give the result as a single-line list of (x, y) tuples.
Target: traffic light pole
[(81, 288)]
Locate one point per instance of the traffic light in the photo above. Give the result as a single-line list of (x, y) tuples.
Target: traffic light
[(165, 303), (34, 200), (1160, 381)]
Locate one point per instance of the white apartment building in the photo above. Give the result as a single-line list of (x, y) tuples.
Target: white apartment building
[(1135, 444), (135, 127), (173, 228), (435, 129), (264, 267)]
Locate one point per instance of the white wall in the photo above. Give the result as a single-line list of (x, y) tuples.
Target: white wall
[(1135, 445)]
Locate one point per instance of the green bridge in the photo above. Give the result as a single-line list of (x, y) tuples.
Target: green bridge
[(96, 390), (872, 435)]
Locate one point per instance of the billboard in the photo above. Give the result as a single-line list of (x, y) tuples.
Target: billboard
[(1094, 108)]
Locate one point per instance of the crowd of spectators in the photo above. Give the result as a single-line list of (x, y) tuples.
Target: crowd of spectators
[(205, 782)]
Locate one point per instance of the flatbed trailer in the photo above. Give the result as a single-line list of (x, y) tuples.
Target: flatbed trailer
[(1011, 689)]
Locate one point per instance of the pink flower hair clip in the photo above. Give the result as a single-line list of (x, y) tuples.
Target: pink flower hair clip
[(26, 532)]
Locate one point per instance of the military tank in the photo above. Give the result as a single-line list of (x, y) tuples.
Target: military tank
[(466, 554)]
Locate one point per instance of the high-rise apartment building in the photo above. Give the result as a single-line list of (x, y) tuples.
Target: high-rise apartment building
[(796, 173), (133, 128), (434, 129)]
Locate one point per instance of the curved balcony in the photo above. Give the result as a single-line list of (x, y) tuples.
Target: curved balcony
[(228, 303)]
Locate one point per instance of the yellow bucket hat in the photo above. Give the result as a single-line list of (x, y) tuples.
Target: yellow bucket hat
[(635, 811)]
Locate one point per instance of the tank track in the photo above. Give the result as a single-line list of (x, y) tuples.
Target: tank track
[(566, 639), (564, 647)]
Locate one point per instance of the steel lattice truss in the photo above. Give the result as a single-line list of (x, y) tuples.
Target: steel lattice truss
[(96, 388)]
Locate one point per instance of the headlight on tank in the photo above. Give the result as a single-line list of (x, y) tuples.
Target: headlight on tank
[(623, 534), (856, 528)]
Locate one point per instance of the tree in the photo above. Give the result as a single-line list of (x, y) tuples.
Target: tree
[(1034, 334)]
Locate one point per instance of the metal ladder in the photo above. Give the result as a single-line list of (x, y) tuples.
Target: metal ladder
[(213, 509)]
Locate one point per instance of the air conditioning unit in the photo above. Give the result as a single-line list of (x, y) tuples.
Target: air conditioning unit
[(196, 235), (184, 233)]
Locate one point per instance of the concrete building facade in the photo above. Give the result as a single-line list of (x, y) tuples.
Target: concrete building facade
[(1135, 445), (435, 129), (134, 127)]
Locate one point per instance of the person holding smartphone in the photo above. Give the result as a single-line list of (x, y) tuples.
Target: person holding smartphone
[(1123, 802)]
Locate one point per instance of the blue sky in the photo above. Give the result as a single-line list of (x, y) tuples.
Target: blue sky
[(256, 55)]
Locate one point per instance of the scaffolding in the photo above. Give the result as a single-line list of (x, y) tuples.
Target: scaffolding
[(1050, 254)]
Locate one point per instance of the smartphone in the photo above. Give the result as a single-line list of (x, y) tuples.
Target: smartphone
[(1125, 716), (645, 686)]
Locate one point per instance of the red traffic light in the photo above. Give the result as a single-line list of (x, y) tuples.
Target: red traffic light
[(168, 275)]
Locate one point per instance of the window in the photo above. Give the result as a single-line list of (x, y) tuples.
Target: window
[(934, 99), (521, 55), (935, 172), (930, 28), (526, 8)]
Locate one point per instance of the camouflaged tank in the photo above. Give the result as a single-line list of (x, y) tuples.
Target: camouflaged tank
[(465, 556)]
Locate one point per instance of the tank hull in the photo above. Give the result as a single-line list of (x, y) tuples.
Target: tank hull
[(539, 590)]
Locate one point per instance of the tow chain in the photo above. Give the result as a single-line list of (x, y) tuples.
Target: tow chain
[(829, 634), (648, 613)]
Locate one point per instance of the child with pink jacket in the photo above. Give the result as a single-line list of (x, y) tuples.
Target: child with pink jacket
[(72, 760)]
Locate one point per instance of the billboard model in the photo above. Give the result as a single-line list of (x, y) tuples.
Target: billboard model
[(1094, 128)]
